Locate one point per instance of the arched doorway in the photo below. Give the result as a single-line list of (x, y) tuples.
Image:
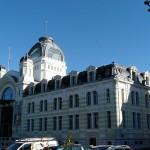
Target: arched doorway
[(92, 141)]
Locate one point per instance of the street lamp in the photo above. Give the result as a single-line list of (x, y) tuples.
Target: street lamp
[(147, 2)]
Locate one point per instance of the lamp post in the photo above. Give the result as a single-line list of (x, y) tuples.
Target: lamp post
[(147, 2)]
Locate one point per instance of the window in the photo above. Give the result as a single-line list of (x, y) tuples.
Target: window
[(91, 76), (41, 106), (71, 122), (123, 119), (88, 98), (40, 124), (60, 102), (54, 123), (89, 121), (132, 97), (95, 120), (76, 100), (57, 84), (28, 107), (73, 80), (28, 124), (76, 122), (108, 119), (45, 124), (146, 100), (95, 98), (137, 98), (138, 120), (60, 122), (32, 124), (70, 101), (45, 105), (108, 95), (32, 107), (55, 104), (148, 121), (134, 119)]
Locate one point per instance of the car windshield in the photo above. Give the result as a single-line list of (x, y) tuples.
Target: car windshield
[(14, 146)]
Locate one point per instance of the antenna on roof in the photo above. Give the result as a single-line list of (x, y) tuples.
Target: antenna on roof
[(46, 28), (8, 58)]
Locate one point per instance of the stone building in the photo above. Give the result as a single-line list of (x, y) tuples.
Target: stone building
[(100, 105)]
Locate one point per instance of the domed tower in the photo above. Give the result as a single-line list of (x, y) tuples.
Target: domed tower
[(48, 59)]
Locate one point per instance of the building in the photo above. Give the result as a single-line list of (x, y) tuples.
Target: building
[(100, 105)]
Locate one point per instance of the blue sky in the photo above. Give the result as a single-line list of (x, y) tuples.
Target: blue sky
[(89, 32)]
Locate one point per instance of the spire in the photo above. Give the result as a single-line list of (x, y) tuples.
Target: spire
[(8, 58)]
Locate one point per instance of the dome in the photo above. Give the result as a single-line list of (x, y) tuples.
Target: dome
[(46, 48)]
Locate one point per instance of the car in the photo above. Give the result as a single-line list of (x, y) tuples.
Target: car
[(70, 147), (111, 147), (33, 143)]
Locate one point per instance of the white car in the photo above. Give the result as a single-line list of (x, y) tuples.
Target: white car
[(33, 144), (111, 147)]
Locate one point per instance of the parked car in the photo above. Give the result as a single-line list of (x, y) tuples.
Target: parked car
[(111, 147), (33, 143), (70, 147)]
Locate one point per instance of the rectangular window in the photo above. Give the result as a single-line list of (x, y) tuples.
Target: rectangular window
[(28, 124), (41, 106), (76, 100), (148, 121), (95, 98), (32, 124), (32, 107), (76, 122), (123, 119), (73, 79), (57, 84), (45, 105), (28, 107), (55, 104), (60, 102), (71, 101), (96, 120), (89, 121), (91, 76), (108, 95), (138, 120), (71, 122), (40, 124), (88, 99), (54, 123), (108, 119), (60, 122), (134, 119), (45, 124)]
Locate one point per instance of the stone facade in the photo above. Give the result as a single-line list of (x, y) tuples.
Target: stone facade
[(101, 105)]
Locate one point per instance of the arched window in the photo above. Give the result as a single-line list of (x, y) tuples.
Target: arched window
[(88, 98), (95, 98), (55, 103), (70, 101), (76, 100), (8, 94)]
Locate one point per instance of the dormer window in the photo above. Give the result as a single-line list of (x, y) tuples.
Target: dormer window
[(57, 84), (31, 90), (73, 77), (73, 80), (91, 76), (91, 73)]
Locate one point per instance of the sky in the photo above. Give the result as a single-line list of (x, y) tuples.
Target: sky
[(89, 32)]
